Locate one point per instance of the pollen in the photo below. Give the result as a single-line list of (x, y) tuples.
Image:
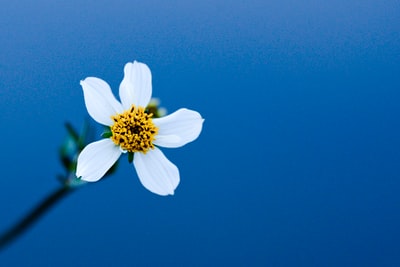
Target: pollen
[(134, 130)]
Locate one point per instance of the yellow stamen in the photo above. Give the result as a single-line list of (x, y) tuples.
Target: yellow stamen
[(134, 130)]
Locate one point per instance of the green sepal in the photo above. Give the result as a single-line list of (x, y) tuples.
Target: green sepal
[(130, 157), (106, 134)]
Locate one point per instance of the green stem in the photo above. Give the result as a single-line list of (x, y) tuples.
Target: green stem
[(33, 216)]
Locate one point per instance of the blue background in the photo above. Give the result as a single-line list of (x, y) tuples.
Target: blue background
[(298, 161)]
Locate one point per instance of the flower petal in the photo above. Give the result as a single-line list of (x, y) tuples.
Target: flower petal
[(96, 159), (135, 88), (156, 172), (100, 101), (179, 128)]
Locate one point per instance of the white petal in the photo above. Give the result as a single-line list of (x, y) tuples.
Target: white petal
[(96, 159), (179, 128), (135, 88), (156, 172), (100, 101)]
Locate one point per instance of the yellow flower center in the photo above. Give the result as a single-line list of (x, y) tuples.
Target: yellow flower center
[(134, 130)]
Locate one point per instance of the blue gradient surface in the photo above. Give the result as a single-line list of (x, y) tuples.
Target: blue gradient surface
[(298, 161)]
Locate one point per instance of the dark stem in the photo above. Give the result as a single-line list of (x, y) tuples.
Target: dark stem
[(33, 216)]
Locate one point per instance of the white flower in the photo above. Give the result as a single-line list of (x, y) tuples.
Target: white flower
[(135, 131)]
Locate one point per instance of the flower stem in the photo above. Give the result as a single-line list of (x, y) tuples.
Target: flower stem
[(34, 215)]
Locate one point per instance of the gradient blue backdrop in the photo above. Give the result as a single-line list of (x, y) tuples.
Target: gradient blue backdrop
[(298, 161)]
